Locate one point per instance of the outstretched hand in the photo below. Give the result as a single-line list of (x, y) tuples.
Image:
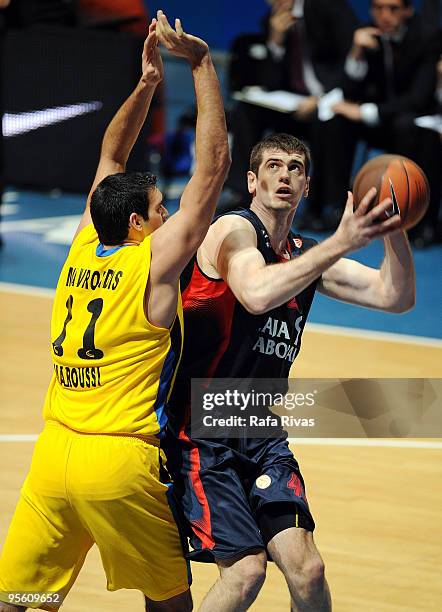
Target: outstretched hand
[(152, 64), (358, 228), (180, 44)]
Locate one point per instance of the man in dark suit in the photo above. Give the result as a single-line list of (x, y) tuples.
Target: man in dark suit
[(301, 49), (390, 80)]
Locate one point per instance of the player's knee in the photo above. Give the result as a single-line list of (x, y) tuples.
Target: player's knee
[(310, 575), (314, 575), (250, 577)]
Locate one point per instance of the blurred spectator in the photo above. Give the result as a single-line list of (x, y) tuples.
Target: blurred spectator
[(428, 154), (127, 15), (3, 5), (391, 80), (301, 49), (23, 13)]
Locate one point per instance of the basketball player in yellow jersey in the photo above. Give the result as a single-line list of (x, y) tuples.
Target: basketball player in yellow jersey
[(116, 340)]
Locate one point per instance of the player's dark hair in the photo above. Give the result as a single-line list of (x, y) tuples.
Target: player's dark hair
[(282, 142), (115, 199)]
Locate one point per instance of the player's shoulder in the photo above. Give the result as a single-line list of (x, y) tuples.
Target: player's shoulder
[(87, 235), (231, 230), (238, 216), (232, 221)]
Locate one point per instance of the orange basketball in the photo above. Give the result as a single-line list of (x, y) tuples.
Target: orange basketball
[(398, 178)]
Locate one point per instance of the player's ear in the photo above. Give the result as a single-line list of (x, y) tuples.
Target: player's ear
[(135, 222), (251, 182), (307, 187)]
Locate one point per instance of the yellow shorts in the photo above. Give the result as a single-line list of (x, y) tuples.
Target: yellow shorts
[(85, 489)]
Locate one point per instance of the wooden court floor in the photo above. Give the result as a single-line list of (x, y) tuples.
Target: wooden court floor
[(377, 509)]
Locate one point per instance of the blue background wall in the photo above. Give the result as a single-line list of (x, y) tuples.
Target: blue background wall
[(219, 21)]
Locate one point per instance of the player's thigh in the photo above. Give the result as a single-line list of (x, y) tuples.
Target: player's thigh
[(278, 480), (46, 543), (126, 507), (217, 507)]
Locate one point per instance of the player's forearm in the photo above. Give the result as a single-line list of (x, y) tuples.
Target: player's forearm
[(125, 127), (274, 285), (211, 143), (398, 284)]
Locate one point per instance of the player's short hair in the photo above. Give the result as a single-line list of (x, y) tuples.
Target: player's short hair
[(282, 142), (115, 199)]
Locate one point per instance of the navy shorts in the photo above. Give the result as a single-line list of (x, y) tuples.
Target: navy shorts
[(223, 486)]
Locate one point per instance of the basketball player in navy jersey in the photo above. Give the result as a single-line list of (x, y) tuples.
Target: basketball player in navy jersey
[(244, 498)]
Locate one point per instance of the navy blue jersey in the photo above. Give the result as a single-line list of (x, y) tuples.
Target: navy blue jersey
[(223, 340)]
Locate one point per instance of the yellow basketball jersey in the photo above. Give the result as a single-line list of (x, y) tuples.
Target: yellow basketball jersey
[(113, 370)]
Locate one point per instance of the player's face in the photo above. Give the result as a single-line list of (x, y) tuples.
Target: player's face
[(281, 180), (389, 15), (157, 212)]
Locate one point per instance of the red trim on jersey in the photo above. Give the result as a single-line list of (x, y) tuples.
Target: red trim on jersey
[(203, 526), (217, 295), (221, 300)]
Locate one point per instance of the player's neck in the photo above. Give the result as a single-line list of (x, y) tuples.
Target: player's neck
[(126, 242), (277, 224)]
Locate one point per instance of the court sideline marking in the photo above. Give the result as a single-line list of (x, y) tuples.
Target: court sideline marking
[(305, 441)]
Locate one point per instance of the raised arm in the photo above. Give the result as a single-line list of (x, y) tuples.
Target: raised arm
[(174, 243), (125, 127), (392, 288), (230, 251)]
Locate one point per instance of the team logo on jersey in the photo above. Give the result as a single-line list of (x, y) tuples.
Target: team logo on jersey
[(293, 304), (263, 482), (298, 242)]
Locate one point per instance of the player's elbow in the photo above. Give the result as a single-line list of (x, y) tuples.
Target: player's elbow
[(402, 303), (254, 301)]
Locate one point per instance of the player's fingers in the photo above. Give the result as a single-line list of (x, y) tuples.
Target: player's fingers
[(387, 227), (161, 24), (366, 202), (179, 27), (149, 43), (167, 34), (349, 203), (166, 28), (380, 211)]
